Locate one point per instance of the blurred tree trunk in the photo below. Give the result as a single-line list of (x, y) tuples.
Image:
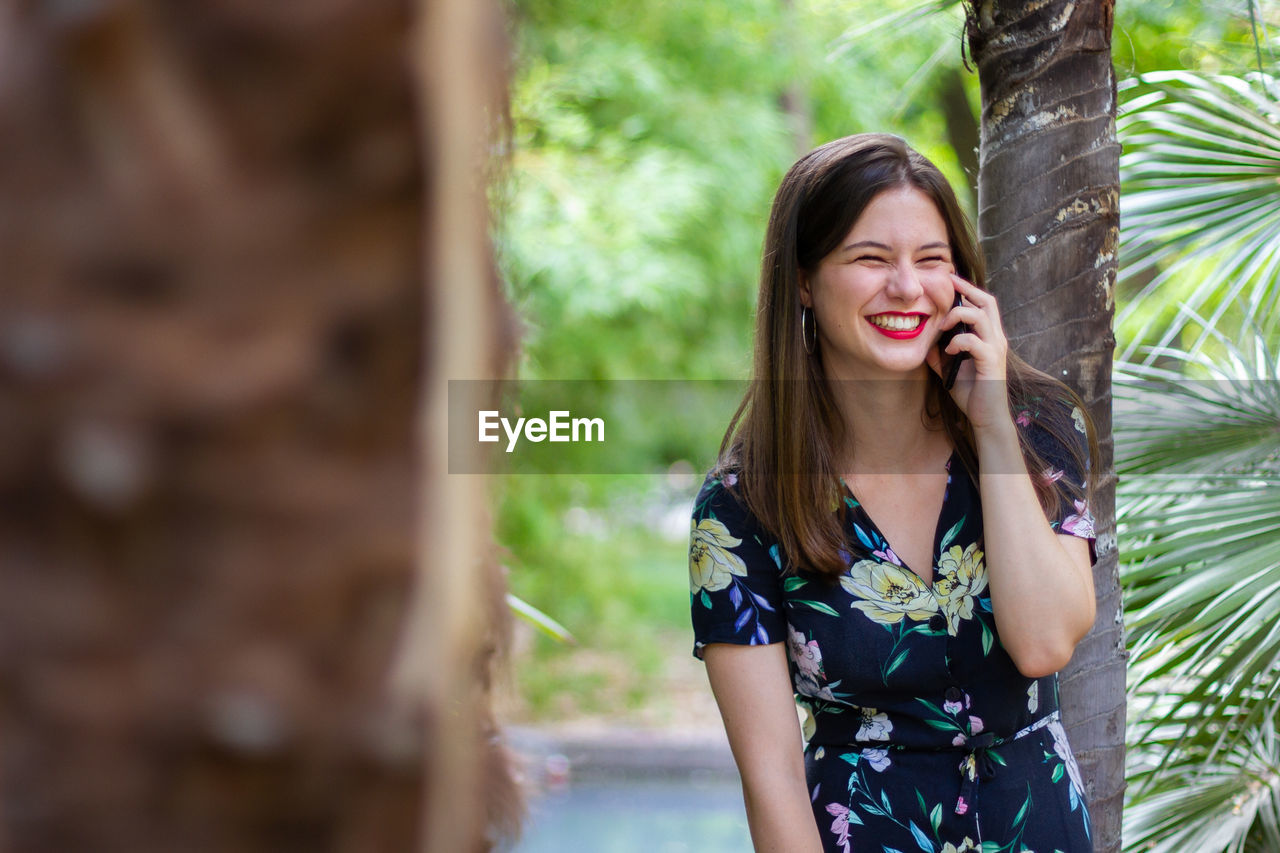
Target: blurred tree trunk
[(961, 123), (211, 372), (794, 100), (460, 618), (1049, 221)]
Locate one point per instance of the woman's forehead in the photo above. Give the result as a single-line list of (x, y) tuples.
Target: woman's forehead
[(900, 214)]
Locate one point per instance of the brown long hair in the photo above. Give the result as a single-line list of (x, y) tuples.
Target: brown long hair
[(783, 438)]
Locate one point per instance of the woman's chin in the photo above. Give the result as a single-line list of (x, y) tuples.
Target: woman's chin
[(890, 370)]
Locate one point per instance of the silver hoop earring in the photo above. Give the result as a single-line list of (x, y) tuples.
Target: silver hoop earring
[(807, 337)]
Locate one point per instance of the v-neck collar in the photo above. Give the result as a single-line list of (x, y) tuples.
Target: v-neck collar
[(938, 524)]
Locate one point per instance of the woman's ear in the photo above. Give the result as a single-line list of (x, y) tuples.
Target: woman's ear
[(806, 297)]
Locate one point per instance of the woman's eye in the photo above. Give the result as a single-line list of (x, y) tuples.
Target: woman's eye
[(871, 259), (933, 259)]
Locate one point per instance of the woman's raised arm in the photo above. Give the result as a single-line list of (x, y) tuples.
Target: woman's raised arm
[(753, 689), (1041, 582)]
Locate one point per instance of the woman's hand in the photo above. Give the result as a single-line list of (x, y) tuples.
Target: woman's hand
[(980, 390)]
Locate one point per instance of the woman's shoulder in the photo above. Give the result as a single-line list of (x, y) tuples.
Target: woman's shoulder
[(722, 498), (720, 493), (734, 571)]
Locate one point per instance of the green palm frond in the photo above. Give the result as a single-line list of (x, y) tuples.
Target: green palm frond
[(1191, 415), (1203, 606), (1200, 206), (892, 21), (1198, 508), (1227, 803)]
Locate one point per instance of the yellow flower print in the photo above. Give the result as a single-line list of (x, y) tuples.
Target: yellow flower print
[(875, 726), (886, 593), (961, 576), (711, 564), (966, 845)]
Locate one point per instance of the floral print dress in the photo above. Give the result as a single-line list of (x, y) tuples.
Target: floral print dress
[(921, 733)]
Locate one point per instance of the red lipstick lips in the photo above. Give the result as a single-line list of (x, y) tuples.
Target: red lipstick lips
[(899, 334)]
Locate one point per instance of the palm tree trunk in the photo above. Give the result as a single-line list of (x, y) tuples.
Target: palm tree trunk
[(1049, 222)]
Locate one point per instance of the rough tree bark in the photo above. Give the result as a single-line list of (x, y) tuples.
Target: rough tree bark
[(211, 359), (1049, 222)]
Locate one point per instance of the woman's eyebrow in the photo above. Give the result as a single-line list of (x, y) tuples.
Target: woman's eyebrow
[(872, 244)]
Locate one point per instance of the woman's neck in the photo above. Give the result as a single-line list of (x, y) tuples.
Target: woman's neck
[(886, 427)]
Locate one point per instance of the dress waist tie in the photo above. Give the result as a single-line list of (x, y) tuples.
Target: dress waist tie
[(978, 765)]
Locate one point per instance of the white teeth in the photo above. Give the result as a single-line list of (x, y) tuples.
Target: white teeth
[(896, 322)]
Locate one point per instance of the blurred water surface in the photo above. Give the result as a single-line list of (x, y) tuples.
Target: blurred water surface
[(648, 816)]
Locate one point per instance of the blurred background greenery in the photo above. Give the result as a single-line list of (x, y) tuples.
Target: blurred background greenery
[(648, 141)]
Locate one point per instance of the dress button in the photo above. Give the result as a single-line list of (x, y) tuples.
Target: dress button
[(953, 694), (937, 622)]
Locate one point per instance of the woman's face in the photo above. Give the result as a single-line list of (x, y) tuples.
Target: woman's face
[(879, 297)]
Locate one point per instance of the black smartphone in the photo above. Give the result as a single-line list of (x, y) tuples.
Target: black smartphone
[(953, 368)]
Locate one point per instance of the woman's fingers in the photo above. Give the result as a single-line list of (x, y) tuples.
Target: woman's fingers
[(979, 310), (970, 314), (974, 294), (983, 402), (963, 342), (978, 298), (979, 323)]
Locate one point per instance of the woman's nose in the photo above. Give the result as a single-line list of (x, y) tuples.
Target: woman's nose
[(905, 282)]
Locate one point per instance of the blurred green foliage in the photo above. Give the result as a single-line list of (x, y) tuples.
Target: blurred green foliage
[(590, 551), (648, 141)]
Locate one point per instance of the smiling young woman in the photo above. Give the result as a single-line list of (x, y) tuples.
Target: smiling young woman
[(909, 561)]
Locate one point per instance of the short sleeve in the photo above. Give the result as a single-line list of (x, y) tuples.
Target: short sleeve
[(735, 574), (1072, 516)]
